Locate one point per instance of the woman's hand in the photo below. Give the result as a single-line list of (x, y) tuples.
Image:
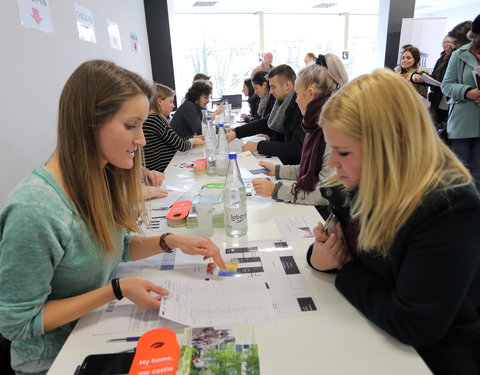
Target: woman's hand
[(231, 135), (196, 141), (196, 246), (150, 192), (139, 292), (263, 187), (269, 166), (474, 94), (155, 178), (329, 252), (417, 78)]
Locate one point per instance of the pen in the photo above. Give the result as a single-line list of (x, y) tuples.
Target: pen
[(125, 339)]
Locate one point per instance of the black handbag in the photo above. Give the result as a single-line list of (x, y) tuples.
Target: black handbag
[(442, 127)]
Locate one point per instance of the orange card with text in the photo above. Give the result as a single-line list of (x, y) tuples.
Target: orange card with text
[(157, 353)]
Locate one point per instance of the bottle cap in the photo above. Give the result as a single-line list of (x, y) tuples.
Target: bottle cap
[(209, 118), (220, 125), (232, 156)]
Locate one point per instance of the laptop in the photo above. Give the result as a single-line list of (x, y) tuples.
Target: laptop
[(234, 100)]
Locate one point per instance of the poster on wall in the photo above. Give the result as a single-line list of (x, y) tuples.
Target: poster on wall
[(114, 35), (35, 14), (134, 42), (85, 25)]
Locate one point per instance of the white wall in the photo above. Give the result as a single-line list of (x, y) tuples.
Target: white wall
[(455, 15), (35, 65)]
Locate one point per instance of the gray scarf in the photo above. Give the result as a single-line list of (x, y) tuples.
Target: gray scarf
[(262, 106), (277, 116)]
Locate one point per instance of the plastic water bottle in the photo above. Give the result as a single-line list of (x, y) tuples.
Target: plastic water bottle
[(205, 121), (228, 112), (235, 200), (210, 147), (221, 156)]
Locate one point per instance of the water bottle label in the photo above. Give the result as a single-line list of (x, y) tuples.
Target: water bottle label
[(236, 218)]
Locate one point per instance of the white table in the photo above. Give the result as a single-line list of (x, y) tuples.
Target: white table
[(338, 340)]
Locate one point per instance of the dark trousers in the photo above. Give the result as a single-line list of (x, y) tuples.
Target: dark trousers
[(468, 151)]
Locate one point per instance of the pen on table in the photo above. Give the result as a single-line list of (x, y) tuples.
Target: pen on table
[(125, 339)]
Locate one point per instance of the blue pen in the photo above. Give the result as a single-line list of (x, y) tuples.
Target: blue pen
[(125, 339)]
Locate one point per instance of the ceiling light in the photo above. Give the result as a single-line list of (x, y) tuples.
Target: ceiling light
[(325, 5), (205, 3)]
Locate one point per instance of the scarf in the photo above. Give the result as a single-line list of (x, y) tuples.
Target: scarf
[(313, 146), (262, 105), (277, 116)]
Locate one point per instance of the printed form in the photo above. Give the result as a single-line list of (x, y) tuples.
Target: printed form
[(214, 302)]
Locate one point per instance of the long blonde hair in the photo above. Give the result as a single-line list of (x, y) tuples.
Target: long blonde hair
[(106, 198), (403, 157)]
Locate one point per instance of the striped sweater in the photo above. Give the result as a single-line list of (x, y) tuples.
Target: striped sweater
[(162, 143)]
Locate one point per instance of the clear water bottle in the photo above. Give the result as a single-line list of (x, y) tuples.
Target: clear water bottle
[(228, 112), (235, 200), (221, 156), (210, 147), (205, 121)]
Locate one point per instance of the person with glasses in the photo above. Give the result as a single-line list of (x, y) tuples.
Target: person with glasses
[(187, 120)]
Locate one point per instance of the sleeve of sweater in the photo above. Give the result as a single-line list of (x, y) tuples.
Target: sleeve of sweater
[(440, 261), (23, 258), (290, 149), (173, 139), (290, 172), (252, 128)]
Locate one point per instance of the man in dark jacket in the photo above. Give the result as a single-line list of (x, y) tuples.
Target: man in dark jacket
[(283, 126)]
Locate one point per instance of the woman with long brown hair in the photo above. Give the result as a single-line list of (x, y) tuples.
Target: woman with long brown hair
[(67, 225)]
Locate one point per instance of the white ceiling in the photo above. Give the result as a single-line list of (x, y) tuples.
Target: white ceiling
[(306, 6)]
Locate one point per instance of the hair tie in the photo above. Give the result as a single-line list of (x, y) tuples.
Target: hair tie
[(321, 61)]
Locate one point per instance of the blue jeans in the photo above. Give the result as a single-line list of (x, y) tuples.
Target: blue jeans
[(468, 151)]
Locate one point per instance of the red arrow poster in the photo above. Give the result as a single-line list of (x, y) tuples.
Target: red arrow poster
[(35, 14)]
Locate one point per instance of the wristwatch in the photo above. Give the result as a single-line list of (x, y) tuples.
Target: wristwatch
[(163, 244)]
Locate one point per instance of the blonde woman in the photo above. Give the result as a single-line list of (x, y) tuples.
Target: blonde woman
[(162, 141), (412, 263), (300, 183), (66, 226)]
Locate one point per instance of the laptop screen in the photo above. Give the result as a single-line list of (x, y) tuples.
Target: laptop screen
[(234, 100)]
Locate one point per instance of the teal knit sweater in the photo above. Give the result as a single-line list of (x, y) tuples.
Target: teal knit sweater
[(46, 253)]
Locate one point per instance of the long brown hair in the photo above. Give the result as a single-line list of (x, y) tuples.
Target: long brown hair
[(106, 198)]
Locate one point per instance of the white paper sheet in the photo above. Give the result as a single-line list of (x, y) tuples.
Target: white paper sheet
[(273, 261), (164, 203), (295, 228), (215, 302), (123, 317)]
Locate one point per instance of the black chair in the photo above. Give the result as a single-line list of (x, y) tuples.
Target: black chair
[(5, 367)]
